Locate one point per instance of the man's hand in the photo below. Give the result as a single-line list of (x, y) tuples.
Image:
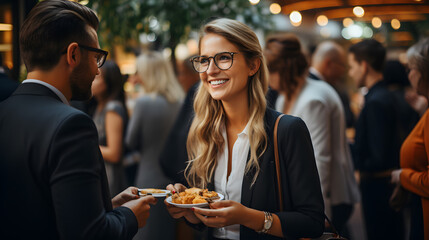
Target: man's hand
[(140, 208), (131, 193)]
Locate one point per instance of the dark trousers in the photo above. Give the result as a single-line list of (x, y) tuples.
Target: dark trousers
[(340, 215), (381, 221)]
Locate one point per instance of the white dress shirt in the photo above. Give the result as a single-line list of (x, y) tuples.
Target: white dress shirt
[(54, 89), (231, 187)]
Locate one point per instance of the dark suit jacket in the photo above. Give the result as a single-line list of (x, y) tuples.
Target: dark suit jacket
[(52, 178), (303, 214), (377, 140)]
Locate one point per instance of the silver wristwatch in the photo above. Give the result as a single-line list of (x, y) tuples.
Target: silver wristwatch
[(267, 222)]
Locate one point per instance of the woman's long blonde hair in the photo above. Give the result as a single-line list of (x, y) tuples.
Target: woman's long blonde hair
[(158, 76), (205, 138)]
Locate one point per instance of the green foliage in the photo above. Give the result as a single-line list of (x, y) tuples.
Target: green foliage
[(170, 20)]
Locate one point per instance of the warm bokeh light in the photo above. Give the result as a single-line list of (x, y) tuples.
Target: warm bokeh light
[(347, 22), (325, 32), (84, 2), (254, 2), (376, 22), (358, 11), (395, 24), (367, 32), (353, 31), (295, 17), (275, 8), (322, 20), (6, 27)]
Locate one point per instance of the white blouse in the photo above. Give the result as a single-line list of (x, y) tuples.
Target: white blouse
[(231, 187)]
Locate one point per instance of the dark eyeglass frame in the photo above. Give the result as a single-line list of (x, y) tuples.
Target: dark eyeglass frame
[(192, 60), (97, 50)]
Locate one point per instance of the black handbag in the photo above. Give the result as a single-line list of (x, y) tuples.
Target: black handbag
[(325, 235)]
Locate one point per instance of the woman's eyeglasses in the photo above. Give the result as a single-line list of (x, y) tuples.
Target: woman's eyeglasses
[(222, 60), (101, 54)]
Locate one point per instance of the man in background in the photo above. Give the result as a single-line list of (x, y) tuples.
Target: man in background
[(377, 142), (329, 64)]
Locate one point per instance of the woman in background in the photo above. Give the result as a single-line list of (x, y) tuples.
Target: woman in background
[(153, 116), (414, 172), (230, 146), (111, 118)]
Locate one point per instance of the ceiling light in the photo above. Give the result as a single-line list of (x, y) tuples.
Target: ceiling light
[(347, 22), (358, 11), (275, 8), (254, 2), (322, 20), (395, 24), (295, 17), (376, 22)]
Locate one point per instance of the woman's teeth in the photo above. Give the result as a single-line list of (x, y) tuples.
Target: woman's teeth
[(217, 82)]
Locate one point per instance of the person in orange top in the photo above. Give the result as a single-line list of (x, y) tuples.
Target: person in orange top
[(414, 172)]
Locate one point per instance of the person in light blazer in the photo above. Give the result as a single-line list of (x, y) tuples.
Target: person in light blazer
[(230, 146), (319, 105)]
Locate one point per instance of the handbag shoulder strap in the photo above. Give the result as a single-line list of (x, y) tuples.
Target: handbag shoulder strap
[(276, 156)]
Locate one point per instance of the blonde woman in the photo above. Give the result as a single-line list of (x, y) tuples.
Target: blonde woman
[(230, 146), (150, 123)]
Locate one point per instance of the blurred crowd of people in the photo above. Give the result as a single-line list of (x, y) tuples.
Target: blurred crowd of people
[(209, 123)]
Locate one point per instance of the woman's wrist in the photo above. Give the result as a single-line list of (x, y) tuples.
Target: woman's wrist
[(253, 219)]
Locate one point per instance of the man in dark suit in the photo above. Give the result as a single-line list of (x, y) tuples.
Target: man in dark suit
[(376, 148), (52, 176)]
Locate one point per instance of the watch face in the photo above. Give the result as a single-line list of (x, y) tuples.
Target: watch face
[(267, 224)]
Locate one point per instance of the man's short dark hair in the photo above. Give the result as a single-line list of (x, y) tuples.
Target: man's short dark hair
[(50, 27), (370, 51)]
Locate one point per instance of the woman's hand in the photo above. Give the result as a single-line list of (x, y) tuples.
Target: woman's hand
[(222, 213), (176, 188), (128, 194), (176, 212)]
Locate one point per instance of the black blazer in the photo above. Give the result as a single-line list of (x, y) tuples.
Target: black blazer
[(52, 177), (377, 141), (303, 205)]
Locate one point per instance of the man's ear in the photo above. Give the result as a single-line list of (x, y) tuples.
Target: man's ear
[(73, 54), (254, 66)]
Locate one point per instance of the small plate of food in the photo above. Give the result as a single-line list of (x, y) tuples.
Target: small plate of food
[(194, 197), (154, 192)]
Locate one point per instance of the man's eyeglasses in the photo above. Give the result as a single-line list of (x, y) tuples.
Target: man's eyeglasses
[(101, 54), (222, 60)]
